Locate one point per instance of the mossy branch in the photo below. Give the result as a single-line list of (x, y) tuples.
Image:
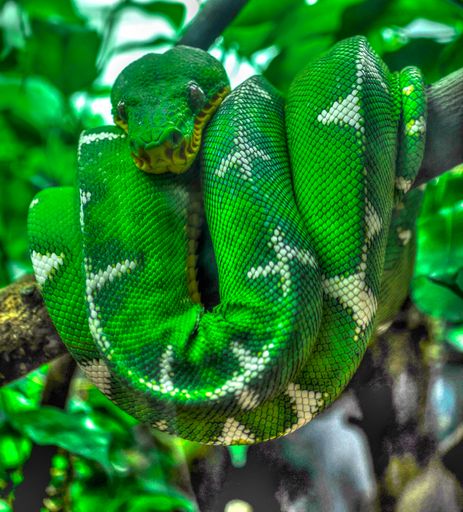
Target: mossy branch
[(28, 338)]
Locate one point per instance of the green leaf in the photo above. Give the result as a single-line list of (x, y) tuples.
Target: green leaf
[(13, 401), (452, 57), (75, 433), (14, 450), (360, 17), (173, 11), (402, 12), (163, 502), (288, 25), (4, 507), (259, 11), (33, 102), (148, 45), (91, 500), (64, 54), (454, 336), (53, 10), (437, 287), (98, 404), (435, 297), (251, 38), (285, 66), (423, 53)]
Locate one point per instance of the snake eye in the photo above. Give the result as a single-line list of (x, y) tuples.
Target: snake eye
[(196, 96), (121, 112)]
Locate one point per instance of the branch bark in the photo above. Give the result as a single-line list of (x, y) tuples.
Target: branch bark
[(210, 22), (28, 338), (444, 138)]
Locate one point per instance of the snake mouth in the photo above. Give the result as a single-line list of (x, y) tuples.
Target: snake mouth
[(165, 158)]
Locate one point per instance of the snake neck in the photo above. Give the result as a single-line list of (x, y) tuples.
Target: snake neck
[(201, 265), (201, 120)]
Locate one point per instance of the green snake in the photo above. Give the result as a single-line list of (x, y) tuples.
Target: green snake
[(298, 212)]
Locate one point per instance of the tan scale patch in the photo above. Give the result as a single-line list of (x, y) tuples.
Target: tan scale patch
[(98, 372), (234, 432)]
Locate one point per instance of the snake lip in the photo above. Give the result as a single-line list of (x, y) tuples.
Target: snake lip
[(162, 158)]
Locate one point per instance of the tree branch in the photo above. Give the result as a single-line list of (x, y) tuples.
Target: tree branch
[(28, 339), (210, 22), (444, 137)]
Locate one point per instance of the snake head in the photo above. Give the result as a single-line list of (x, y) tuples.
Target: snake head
[(164, 101)]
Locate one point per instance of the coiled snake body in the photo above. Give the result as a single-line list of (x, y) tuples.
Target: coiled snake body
[(311, 221)]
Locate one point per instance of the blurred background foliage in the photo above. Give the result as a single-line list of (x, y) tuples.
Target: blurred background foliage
[(58, 59)]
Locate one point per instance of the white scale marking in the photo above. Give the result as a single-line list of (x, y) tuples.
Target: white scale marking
[(382, 328), (45, 265), (372, 220), (407, 90), (233, 431), (404, 235), (416, 126), (307, 402), (353, 292), (251, 366), (243, 154), (248, 399), (33, 202), (161, 425), (344, 112), (84, 199), (165, 379), (89, 138), (255, 89), (284, 253), (94, 283), (375, 71), (240, 159), (403, 184)]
